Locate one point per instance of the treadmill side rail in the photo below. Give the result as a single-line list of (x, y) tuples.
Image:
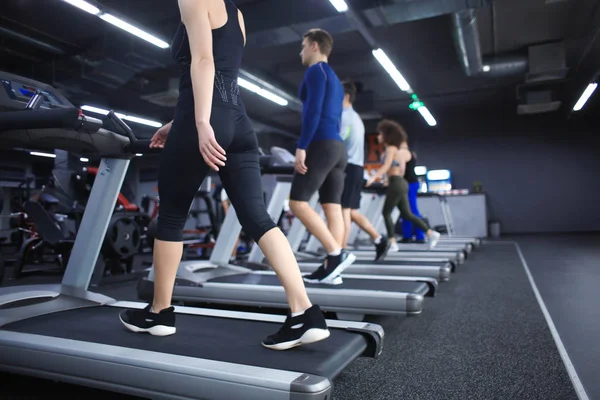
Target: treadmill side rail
[(44, 299), (374, 334), (158, 375)]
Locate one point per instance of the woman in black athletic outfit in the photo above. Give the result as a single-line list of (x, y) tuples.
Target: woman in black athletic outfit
[(408, 230), (211, 130), (394, 160)]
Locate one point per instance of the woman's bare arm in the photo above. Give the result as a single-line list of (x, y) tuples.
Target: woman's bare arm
[(390, 153), (194, 15)]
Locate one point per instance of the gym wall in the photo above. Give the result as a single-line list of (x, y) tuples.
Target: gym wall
[(540, 175)]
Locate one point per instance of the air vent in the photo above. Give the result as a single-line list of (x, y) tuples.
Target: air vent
[(547, 62), (370, 115), (538, 108), (110, 74), (163, 93)]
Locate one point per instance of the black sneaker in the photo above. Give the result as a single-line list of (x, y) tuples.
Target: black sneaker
[(329, 272), (161, 324), (309, 327), (403, 240), (382, 248)]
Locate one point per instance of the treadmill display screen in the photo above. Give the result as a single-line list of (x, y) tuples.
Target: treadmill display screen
[(439, 180), (23, 92)]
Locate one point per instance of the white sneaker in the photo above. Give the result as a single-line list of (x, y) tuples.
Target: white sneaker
[(393, 247), (434, 239)]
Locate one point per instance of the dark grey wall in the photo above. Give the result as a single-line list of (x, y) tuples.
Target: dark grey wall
[(541, 175)]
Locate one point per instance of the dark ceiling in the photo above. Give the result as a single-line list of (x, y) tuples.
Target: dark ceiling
[(540, 54)]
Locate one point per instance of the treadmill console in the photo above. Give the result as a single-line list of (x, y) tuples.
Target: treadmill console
[(16, 92)]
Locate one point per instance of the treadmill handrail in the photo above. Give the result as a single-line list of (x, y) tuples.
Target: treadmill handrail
[(63, 118), (278, 170)]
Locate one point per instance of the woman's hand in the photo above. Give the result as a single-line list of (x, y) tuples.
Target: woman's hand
[(371, 180), (300, 163), (160, 137), (211, 151)]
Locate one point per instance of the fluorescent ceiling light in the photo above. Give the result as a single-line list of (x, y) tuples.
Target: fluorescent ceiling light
[(388, 65), (340, 5), (84, 5), (587, 93), (119, 23), (84, 159), (262, 92), (427, 116), (39, 154), (138, 154), (111, 19), (131, 118)]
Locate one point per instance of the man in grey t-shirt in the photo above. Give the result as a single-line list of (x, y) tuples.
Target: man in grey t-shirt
[(353, 133)]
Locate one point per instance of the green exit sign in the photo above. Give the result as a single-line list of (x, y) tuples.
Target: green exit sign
[(415, 105)]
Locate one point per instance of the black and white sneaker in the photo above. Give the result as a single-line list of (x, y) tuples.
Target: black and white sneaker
[(382, 248), (309, 327), (329, 272), (156, 324)]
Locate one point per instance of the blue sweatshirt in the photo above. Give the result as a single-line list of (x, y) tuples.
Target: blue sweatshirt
[(322, 96)]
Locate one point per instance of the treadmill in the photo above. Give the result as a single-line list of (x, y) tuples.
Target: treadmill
[(298, 231), (440, 271), (452, 253), (372, 203), (221, 281), (66, 333)]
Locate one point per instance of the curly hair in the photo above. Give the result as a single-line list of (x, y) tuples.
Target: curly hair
[(392, 132)]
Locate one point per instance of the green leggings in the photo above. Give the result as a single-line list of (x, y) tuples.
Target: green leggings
[(397, 196)]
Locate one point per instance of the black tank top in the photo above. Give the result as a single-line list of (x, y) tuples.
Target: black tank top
[(228, 50), (409, 173)]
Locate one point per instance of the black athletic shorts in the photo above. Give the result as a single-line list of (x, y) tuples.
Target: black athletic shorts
[(326, 162), (353, 185)]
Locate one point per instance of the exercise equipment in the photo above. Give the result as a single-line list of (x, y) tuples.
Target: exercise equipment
[(218, 281), (200, 241), (126, 231), (373, 199), (1, 262), (312, 248), (438, 270), (67, 333), (123, 236)]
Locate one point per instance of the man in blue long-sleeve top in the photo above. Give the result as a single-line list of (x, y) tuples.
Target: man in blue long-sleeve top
[(321, 157)]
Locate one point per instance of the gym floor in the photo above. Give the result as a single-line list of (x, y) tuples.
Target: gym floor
[(484, 336)]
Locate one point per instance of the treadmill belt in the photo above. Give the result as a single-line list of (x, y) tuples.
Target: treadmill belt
[(349, 283), (220, 339), (399, 263)]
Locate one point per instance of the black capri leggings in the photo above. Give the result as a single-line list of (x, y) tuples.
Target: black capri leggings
[(397, 196), (183, 169)]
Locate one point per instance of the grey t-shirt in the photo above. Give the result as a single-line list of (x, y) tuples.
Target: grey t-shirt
[(353, 133)]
